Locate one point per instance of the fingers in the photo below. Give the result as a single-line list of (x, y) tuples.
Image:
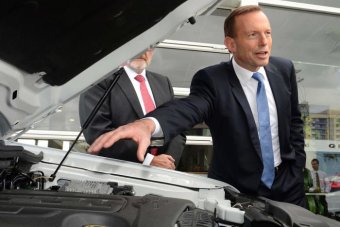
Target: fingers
[(172, 166), (139, 131), (142, 147), (104, 141), (164, 161), (171, 158)]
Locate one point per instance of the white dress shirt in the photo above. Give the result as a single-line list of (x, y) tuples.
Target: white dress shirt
[(249, 86), (132, 74), (324, 182)]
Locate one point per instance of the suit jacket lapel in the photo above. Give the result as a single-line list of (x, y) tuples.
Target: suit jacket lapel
[(281, 99), (130, 93), (242, 99), (276, 82)]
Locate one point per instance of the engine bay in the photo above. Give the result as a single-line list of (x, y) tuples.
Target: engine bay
[(29, 198)]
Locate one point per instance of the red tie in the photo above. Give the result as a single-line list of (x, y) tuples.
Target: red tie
[(148, 103)]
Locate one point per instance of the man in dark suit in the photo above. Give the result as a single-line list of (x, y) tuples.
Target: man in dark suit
[(225, 97), (124, 105)]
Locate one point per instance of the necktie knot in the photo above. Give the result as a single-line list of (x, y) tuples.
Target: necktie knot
[(258, 76), (140, 78)]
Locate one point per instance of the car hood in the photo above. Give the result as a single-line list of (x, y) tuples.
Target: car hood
[(50, 51)]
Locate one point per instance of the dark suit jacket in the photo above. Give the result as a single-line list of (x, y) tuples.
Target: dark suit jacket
[(121, 107), (217, 98)]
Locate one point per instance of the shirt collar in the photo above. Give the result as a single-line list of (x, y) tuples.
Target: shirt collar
[(132, 73), (245, 75)]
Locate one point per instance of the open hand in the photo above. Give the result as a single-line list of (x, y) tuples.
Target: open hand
[(139, 131)]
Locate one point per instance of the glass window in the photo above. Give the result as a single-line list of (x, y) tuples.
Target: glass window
[(181, 65)]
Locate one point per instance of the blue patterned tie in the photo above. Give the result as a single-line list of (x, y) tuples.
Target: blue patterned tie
[(265, 135)]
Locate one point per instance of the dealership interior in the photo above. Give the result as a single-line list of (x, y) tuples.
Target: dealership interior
[(305, 31)]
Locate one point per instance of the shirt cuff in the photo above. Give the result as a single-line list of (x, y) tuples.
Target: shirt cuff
[(158, 132), (148, 159)]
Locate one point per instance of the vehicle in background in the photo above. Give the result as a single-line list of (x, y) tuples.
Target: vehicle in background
[(334, 183)]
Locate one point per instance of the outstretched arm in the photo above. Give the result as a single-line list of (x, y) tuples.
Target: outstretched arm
[(139, 131)]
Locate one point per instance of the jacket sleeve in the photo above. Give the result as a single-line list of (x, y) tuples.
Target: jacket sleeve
[(176, 145)]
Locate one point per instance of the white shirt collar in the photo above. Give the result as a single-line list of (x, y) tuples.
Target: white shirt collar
[(244, 75), (132, 73)]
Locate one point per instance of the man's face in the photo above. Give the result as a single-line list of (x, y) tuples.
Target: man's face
[(315, 165), (140, 63), (252, 43)]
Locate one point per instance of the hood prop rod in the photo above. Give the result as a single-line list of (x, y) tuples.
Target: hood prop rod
[(116, 75)]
